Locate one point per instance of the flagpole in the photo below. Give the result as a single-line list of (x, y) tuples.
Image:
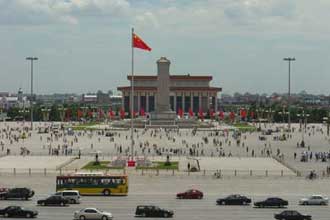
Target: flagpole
[(132, 98)]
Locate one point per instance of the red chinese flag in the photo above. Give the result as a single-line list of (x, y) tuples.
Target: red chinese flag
[(211, 113), (191, 113), (200, 114), (180, 112), (79, 114), (122, 113), (232, 116), (221, 115), (139, 43), (111, 113), (243, 113), (142, 112)]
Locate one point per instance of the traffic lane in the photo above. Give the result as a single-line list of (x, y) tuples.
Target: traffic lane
[(124, 208)]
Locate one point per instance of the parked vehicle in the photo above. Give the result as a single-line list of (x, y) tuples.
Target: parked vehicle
[(314, 200), (234, 199), (92, 213), (53, 201), (152, 211), (292, 215), (17, 193), (72, 195), (17, 211), (271, 202), (190, 194)]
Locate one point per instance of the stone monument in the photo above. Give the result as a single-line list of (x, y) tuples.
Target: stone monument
[(163, 110)]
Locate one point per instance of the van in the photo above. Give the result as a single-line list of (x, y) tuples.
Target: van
[(72, 195)]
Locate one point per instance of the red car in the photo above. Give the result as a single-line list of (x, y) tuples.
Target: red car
[(190, 194)]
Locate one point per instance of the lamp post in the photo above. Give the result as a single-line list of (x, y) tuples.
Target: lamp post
[(62, 112), (289, 60), (259, 112), (283, 113), (327, 120), (303, 122), (45, 113), (31, 98), (23, 112)]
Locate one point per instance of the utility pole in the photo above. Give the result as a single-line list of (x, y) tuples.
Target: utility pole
[(289, 59), (31, 98)]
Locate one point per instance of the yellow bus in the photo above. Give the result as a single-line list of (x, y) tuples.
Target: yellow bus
[(93, 184)]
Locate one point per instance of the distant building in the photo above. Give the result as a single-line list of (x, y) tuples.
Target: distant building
[(89, 99), (186, 92)]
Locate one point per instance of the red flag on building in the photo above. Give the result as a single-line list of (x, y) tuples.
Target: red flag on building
[(221, 115), (180, 112), (232, 116), (243, 113), (122, 113), (111, 114), (201, 114), (90, 113), (139, 43), (252, 114), (191, 113), (211, 113), (142, 112), (79, 114)]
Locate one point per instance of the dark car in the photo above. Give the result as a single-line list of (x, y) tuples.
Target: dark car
[(190, 194), (234, 200), (17, 193), (271, 202), (54, 201), (292, 215), (152, 211), (17, 211)]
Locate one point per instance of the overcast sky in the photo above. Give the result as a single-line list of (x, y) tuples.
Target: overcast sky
[(84, 45)]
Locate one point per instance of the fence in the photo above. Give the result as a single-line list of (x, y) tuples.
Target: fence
[(152, 172)]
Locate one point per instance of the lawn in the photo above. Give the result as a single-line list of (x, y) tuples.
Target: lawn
[(244, 127), (159, 165), (101, 166), (88, 126)]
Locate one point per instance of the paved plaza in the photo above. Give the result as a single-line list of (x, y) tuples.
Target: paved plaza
[(215, 149)]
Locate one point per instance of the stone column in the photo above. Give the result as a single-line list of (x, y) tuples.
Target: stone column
[(216, 102), (139, 101), (183, 101), (200, 101), (122, 99), (208, 101), (163, 89), (174, 101), (147, 102), (191, 100)]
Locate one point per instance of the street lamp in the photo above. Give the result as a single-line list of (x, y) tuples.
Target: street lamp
[(283, 113), (62, 112), (23, 112), (31, 99), (327, 120), (259, 112), (303, 120), (45, 113), (289, 60)]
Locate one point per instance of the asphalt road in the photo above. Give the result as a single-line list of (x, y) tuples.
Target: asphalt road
[(161, 191)]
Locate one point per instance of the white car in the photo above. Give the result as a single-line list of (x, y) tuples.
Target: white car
[(314, 200), (92, 213)]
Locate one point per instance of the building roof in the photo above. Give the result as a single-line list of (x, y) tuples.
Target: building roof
[(149, 88), (173, 77)]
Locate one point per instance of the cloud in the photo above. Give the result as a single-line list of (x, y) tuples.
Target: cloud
[(35, 12)]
